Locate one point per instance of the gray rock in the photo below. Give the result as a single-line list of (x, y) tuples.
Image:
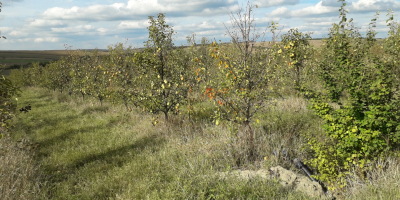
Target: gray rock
[(300, 182), (285, 177)]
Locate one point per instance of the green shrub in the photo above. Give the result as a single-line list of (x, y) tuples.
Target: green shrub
[(7, 105), (366, 124)]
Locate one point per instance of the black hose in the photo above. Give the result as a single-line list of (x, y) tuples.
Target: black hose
[(299, 164)]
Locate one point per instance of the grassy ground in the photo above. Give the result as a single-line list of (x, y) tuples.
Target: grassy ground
[(68, 149), (87, 151)]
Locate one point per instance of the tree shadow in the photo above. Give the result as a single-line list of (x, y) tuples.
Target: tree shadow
[(117, 157), (64, 136), (92, 110), (104, 162)]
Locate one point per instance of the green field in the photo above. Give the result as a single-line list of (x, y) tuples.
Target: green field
[(71, 149)]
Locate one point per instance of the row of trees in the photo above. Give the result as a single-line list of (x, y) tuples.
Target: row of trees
[(359, 74)]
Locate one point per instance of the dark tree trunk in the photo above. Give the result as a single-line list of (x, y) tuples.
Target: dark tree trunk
[(166, 116)]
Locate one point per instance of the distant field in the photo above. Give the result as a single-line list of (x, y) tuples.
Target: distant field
[(23, 57), (10, 59), (18, 61)]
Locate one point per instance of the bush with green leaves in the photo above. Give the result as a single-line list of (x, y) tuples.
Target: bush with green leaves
[(63, 76), (245, 75), (162, 70), (365, 124), (7, 104), (122, 71), (78, 73), (50, 78), (201, 72), (297, 53), (98, 82)]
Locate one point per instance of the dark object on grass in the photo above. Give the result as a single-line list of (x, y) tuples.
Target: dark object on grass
[(26, 109), (299, 164)]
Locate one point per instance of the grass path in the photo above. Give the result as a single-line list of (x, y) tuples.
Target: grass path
[(87, 151)]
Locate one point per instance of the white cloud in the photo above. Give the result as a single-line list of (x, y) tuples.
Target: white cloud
[(46, 39), (75, 29), (201, 26), (133, 24), (374, 5), (17, 34), (39, 40), (320, 19), (137, 9), (5, 30), (318, 24), (317, 10), (103, 31), (24, 40), (282, 11), (91, 13), (270, 3), (330, 8), (210, 33), (46, 23)]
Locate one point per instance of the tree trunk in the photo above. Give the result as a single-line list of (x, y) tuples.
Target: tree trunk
[(166, 116), (251, 141)]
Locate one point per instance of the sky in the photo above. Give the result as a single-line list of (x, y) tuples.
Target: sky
[(90, 24)]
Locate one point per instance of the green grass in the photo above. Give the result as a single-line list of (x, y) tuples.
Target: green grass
[(69, 149), (86, 151)]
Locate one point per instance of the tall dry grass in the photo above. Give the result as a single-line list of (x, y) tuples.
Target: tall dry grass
[(19, 175)]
